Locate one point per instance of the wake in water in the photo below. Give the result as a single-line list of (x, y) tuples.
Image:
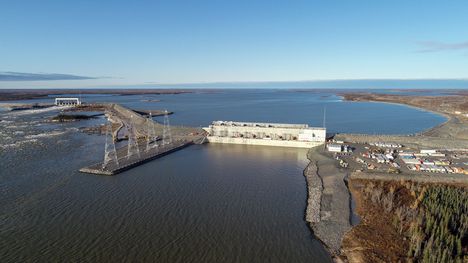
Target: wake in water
[(45, 134), (17, 144)]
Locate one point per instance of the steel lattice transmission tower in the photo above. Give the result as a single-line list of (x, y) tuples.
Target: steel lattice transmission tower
[(110, 154), (151, 134), (132, 146), (167, 136)]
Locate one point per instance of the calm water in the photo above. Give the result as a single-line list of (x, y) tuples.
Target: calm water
[(209, 203), (202, 107)]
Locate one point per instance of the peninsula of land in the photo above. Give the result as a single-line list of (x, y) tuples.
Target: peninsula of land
[(394, 181)]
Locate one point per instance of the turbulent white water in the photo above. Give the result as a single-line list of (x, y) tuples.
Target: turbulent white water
[(37, 111), (18, 144), (19, 129), (45, 134)]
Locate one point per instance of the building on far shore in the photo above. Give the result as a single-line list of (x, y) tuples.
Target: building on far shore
[(268, 134), (67, 101)]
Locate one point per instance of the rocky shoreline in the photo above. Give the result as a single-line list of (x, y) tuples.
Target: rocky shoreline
[(328, 205), (314, 193)]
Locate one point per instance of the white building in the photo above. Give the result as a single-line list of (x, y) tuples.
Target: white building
[(67, 101), (273, 134), (428, 151), (337, 148)]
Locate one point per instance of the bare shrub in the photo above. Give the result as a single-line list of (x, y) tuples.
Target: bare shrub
[(376, 195), (387, 202)]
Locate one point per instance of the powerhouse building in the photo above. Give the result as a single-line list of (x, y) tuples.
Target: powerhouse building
[(270, 134)]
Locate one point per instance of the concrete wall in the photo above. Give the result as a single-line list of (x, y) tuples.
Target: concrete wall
[(281, 143)]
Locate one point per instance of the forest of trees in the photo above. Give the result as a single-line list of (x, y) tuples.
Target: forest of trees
[(439, 233), (435, 219)]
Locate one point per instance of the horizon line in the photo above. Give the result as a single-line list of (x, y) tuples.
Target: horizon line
[(232, 84), (295, 81)]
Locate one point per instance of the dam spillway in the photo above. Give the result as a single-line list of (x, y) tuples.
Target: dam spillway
[(266, 134)]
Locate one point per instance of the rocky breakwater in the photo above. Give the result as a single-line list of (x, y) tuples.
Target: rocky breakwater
[(315, 188), (328, 205)]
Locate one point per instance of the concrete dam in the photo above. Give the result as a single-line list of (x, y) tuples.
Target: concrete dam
[(157, 140), (267, 134)]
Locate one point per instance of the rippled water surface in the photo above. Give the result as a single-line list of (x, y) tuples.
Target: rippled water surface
[(208, 203)]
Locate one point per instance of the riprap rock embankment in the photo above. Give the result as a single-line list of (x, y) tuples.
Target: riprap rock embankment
[(328, 206)]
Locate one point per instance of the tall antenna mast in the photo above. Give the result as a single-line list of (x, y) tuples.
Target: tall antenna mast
[(110, 154), (324, 115)]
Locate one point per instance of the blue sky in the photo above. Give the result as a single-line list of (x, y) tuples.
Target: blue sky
[(143, 42)]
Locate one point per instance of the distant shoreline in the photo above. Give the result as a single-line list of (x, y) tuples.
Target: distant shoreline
[(27, 94)]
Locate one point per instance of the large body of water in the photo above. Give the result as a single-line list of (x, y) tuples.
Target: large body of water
[(206, 203)]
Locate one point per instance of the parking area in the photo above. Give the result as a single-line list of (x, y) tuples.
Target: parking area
[(393, 158)]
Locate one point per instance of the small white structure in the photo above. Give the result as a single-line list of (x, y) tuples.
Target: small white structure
[(335, 148), (386, 144), (67, 101), (411, 161), (338, 148)]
